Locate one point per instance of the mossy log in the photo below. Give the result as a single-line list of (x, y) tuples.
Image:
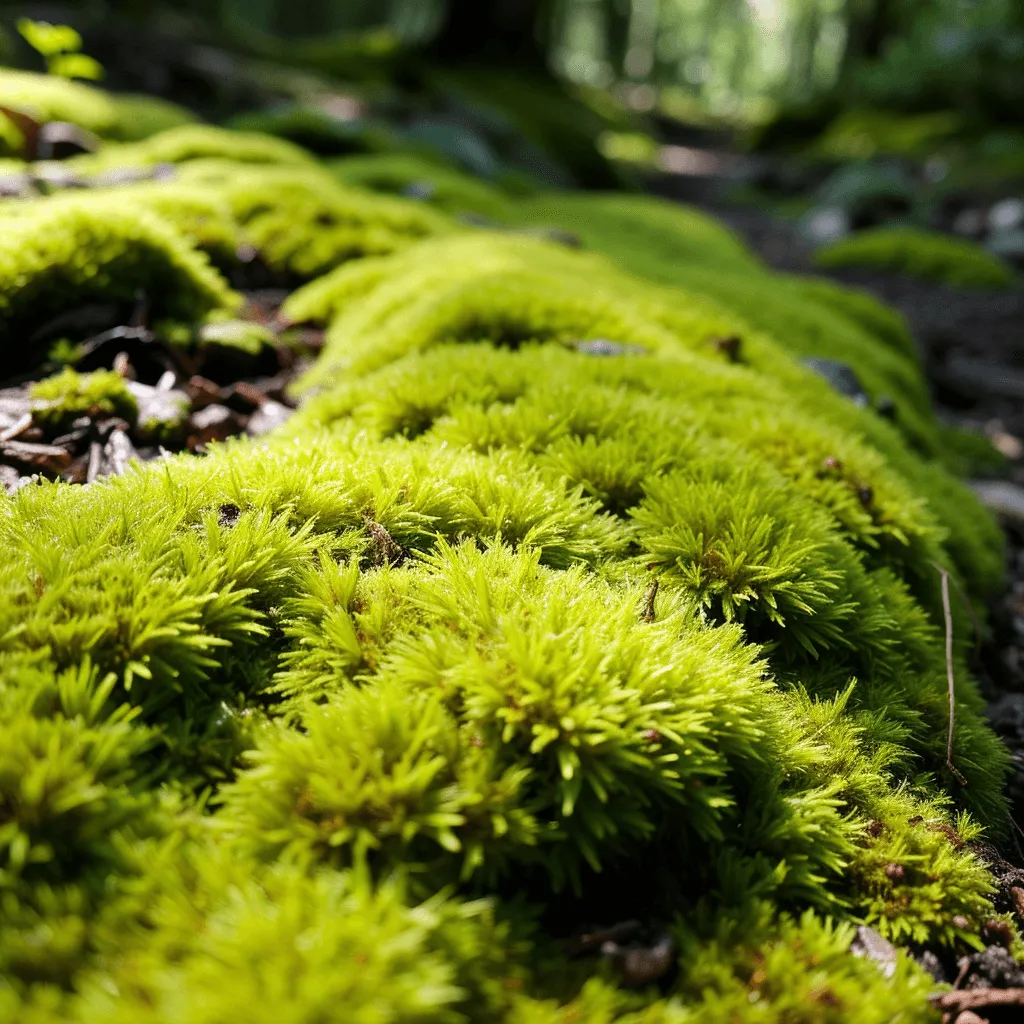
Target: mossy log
[(568, 597)]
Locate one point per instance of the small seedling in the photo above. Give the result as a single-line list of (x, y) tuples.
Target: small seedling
[(60, 46)]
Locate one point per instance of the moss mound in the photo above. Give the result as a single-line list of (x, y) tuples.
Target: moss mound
[(59, 399), (924, 254), (59, 254), (49, 98), (431, 182), (568, 601)]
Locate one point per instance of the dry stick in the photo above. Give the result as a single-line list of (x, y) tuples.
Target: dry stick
[(649, 602), (1016, 842), (947, 613)]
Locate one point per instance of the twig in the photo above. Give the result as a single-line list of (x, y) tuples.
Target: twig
[(652, 593), (1016, 842), (975, 625), (948, 615), (19, 427), (977, 998)]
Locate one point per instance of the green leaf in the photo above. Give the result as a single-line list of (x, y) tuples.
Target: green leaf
[(47, 39), (76, 65)]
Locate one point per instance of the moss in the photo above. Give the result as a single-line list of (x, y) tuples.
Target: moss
[(141, 117), (192, 142), (924, 254), (59, 399), (49, 98), (56, 254), (863, 309), (304, 223), (12, 140), (441, 186), (199, 215), (648, 236), (503, 638)]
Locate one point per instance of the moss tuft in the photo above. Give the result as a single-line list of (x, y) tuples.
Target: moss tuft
[(929, 255), (59, 399), (50, 98), (56, 254)]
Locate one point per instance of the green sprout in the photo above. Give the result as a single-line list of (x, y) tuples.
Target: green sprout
[(60, 46)]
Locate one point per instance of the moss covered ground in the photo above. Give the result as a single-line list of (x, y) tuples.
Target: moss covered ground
[(577, 652)]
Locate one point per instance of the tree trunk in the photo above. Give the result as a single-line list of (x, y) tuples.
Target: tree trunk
[(501, 31)]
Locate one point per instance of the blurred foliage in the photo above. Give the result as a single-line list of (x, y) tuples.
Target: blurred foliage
[(733, 58)]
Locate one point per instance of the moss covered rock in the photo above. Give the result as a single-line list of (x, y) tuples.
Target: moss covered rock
[(925, 254), (569, 597)]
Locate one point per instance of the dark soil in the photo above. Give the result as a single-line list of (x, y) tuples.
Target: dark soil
[(187, 398)]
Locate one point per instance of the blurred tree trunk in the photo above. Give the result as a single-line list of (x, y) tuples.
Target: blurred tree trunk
[(503, 31), (871, 25)]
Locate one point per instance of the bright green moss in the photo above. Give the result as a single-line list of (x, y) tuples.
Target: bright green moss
[(304, 223), (59, 399), (140, 117), (193, 142), (198, 214), (682, 248), (12, 141), (50, 98), (54, 255), (924, 254), (647, 236), (434, 183), (863, 309), (654, 633)]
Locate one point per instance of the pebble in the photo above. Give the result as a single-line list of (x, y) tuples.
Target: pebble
[(1002, 496)]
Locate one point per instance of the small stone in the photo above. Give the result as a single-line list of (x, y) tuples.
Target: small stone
[(869, 944), (1003, 497), (1006, 214), (604, 347), (933, 965), (267, 417), (840, 376), (994, 967), (159, 408), (424, 190), (826, 225)]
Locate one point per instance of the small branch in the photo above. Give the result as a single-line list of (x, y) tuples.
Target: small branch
[(652, 593), (979, 998), (948, 615)]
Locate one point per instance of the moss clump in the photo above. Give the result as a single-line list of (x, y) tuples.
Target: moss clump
[(141, 117), (863, 309), (427, 180), (50, 98), (304, 223), (64, 251), (193, 142), (647, 236), (925, 254), (200, 215), (59, 399)]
